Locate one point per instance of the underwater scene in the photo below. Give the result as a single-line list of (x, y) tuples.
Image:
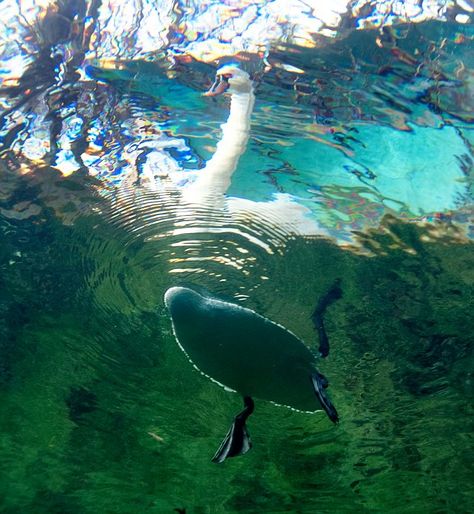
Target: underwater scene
[(236, 256)]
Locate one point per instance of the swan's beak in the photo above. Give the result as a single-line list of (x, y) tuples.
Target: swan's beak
[(221, 85)]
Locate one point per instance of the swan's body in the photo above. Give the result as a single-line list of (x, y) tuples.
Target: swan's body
[(242, 350), (251, 355)]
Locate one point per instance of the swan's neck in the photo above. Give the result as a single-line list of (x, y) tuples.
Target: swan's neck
[(217, 173)]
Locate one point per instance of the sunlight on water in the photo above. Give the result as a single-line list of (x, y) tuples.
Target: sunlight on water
[(334, 143)]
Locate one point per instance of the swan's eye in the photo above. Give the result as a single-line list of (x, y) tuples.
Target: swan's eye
[(226, 76)]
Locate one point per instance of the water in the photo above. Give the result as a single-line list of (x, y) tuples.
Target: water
[(365, 134)]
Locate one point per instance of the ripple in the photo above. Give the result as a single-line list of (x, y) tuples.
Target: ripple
[(144, 241)]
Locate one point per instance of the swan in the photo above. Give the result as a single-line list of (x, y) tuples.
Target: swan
[(212, 182)]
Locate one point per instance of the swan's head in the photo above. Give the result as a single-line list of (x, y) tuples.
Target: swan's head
[(231, 79)]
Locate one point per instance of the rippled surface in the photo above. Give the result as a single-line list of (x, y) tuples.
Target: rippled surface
[(358, 166)]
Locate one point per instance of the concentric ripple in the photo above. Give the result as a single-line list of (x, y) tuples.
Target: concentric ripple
[(142, 242)]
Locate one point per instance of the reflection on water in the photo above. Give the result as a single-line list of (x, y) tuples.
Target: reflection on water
[(342, 135), (358, 166)]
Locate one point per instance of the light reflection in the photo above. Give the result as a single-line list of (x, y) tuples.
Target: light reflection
[(61, 116)]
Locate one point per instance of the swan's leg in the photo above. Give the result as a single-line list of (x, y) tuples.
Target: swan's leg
[(320, 384), (237, 441), (334, 293)]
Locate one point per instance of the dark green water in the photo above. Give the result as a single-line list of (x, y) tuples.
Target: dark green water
[(102, 412)]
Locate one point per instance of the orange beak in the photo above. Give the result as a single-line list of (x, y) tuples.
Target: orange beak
[(221, 85)]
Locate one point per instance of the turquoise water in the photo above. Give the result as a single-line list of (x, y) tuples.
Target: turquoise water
[(370, 142)]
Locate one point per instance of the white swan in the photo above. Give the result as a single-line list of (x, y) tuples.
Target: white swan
[(213, 181)]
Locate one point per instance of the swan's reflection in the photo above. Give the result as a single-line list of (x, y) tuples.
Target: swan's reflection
[(207, 188)]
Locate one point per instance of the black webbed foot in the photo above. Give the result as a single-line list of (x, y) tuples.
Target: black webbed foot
[(334, 293), (320, 383), (237, 441)]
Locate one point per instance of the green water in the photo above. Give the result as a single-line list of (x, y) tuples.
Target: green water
[(101, 412)]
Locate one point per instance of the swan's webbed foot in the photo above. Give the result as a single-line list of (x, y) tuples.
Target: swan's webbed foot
[(334, 293), (320, 384), (237, 441)]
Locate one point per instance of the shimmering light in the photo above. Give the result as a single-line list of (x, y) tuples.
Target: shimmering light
[(81, 101)]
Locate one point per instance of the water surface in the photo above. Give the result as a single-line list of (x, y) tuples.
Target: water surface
[(369, 131)]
